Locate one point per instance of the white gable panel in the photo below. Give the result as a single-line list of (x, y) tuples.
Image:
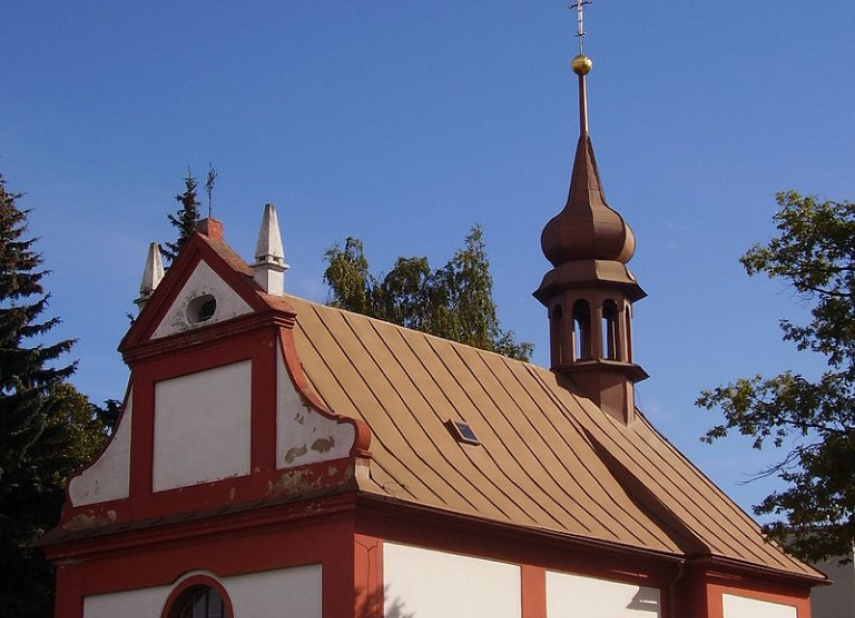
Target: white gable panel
[(202, 426), (303, 435), (568, 596), (742, 607), (204, 282), (108, 478), (431, 584)]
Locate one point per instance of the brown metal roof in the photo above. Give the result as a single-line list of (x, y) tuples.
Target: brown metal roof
[(548, 458)]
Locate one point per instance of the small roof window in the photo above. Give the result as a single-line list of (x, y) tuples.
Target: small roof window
[(462, 432)]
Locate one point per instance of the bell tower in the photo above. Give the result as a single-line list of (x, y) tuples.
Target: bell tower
[(589, 291)]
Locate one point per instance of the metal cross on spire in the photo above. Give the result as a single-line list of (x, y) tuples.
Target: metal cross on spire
[(582, 64), (580, 9)]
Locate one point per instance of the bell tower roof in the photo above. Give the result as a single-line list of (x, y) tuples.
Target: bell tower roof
[(589, 291)]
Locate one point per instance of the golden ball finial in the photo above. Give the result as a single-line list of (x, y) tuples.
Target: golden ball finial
[(582, 65)]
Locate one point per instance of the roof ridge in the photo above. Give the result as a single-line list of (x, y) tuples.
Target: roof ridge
[(325, 307)]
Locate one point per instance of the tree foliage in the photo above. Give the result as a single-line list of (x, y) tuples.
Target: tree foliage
[(185, 218), (31, 449), (454, 302), (813, 419), (46, 427)]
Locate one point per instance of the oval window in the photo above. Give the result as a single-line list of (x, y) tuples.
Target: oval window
[(201, 309)]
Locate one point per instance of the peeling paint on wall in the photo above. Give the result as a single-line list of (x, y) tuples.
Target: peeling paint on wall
[(303, 435), (86, 521)]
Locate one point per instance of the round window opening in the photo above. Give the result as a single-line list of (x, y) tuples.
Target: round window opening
[(201, 602), (201, 309)]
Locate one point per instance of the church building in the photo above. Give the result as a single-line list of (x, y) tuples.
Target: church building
[(277, 458)]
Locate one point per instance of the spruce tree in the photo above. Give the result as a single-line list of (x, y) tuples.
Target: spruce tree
[(185, 218), (33, 450)]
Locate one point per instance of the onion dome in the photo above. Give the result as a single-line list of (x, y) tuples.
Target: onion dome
[(587, 229)]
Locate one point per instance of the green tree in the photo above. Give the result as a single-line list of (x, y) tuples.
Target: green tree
[(185, 218), (454, 302), (812, 420), (33, 450)]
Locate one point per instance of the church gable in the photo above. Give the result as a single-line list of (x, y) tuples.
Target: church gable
[(221, 410), (204, 299)]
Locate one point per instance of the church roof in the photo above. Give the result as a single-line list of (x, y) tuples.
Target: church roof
[(547, 458)]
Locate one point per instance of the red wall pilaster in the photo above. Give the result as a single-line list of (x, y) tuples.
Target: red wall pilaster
[(368, 577), (533, 586)]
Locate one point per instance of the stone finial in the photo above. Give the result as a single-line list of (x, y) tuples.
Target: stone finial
[(269, 268), (152, 274)]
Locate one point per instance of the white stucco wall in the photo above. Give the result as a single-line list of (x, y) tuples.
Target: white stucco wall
[(143, 602), (108, 477), (202, 426), (742, 607), (422, 583), (283, 593), (570, 596), (287, 593), (203, 281), (304, 436)]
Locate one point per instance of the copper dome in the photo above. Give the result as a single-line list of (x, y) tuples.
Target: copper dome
[(587, 229)]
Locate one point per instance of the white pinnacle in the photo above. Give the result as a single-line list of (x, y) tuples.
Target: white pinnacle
[(152, 274), (270, 263)]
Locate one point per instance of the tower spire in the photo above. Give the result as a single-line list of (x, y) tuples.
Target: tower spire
[(590, 291)]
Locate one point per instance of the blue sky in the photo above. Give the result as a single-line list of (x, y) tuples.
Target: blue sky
[(403, 123)]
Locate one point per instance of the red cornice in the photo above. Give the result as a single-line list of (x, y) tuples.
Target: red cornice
[(730, 571), (215, 333), (392, 514), (252, 518)]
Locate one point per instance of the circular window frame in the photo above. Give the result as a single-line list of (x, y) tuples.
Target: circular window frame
[(201, 309), (179, 594)]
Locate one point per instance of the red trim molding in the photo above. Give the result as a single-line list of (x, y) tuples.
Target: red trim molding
[(179, 594)]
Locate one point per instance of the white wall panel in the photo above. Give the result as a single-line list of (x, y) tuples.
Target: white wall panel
[(742, 607), (423, 583), (144, 602), (202, 426), (108, 478), (286, 593), (574, 596)]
